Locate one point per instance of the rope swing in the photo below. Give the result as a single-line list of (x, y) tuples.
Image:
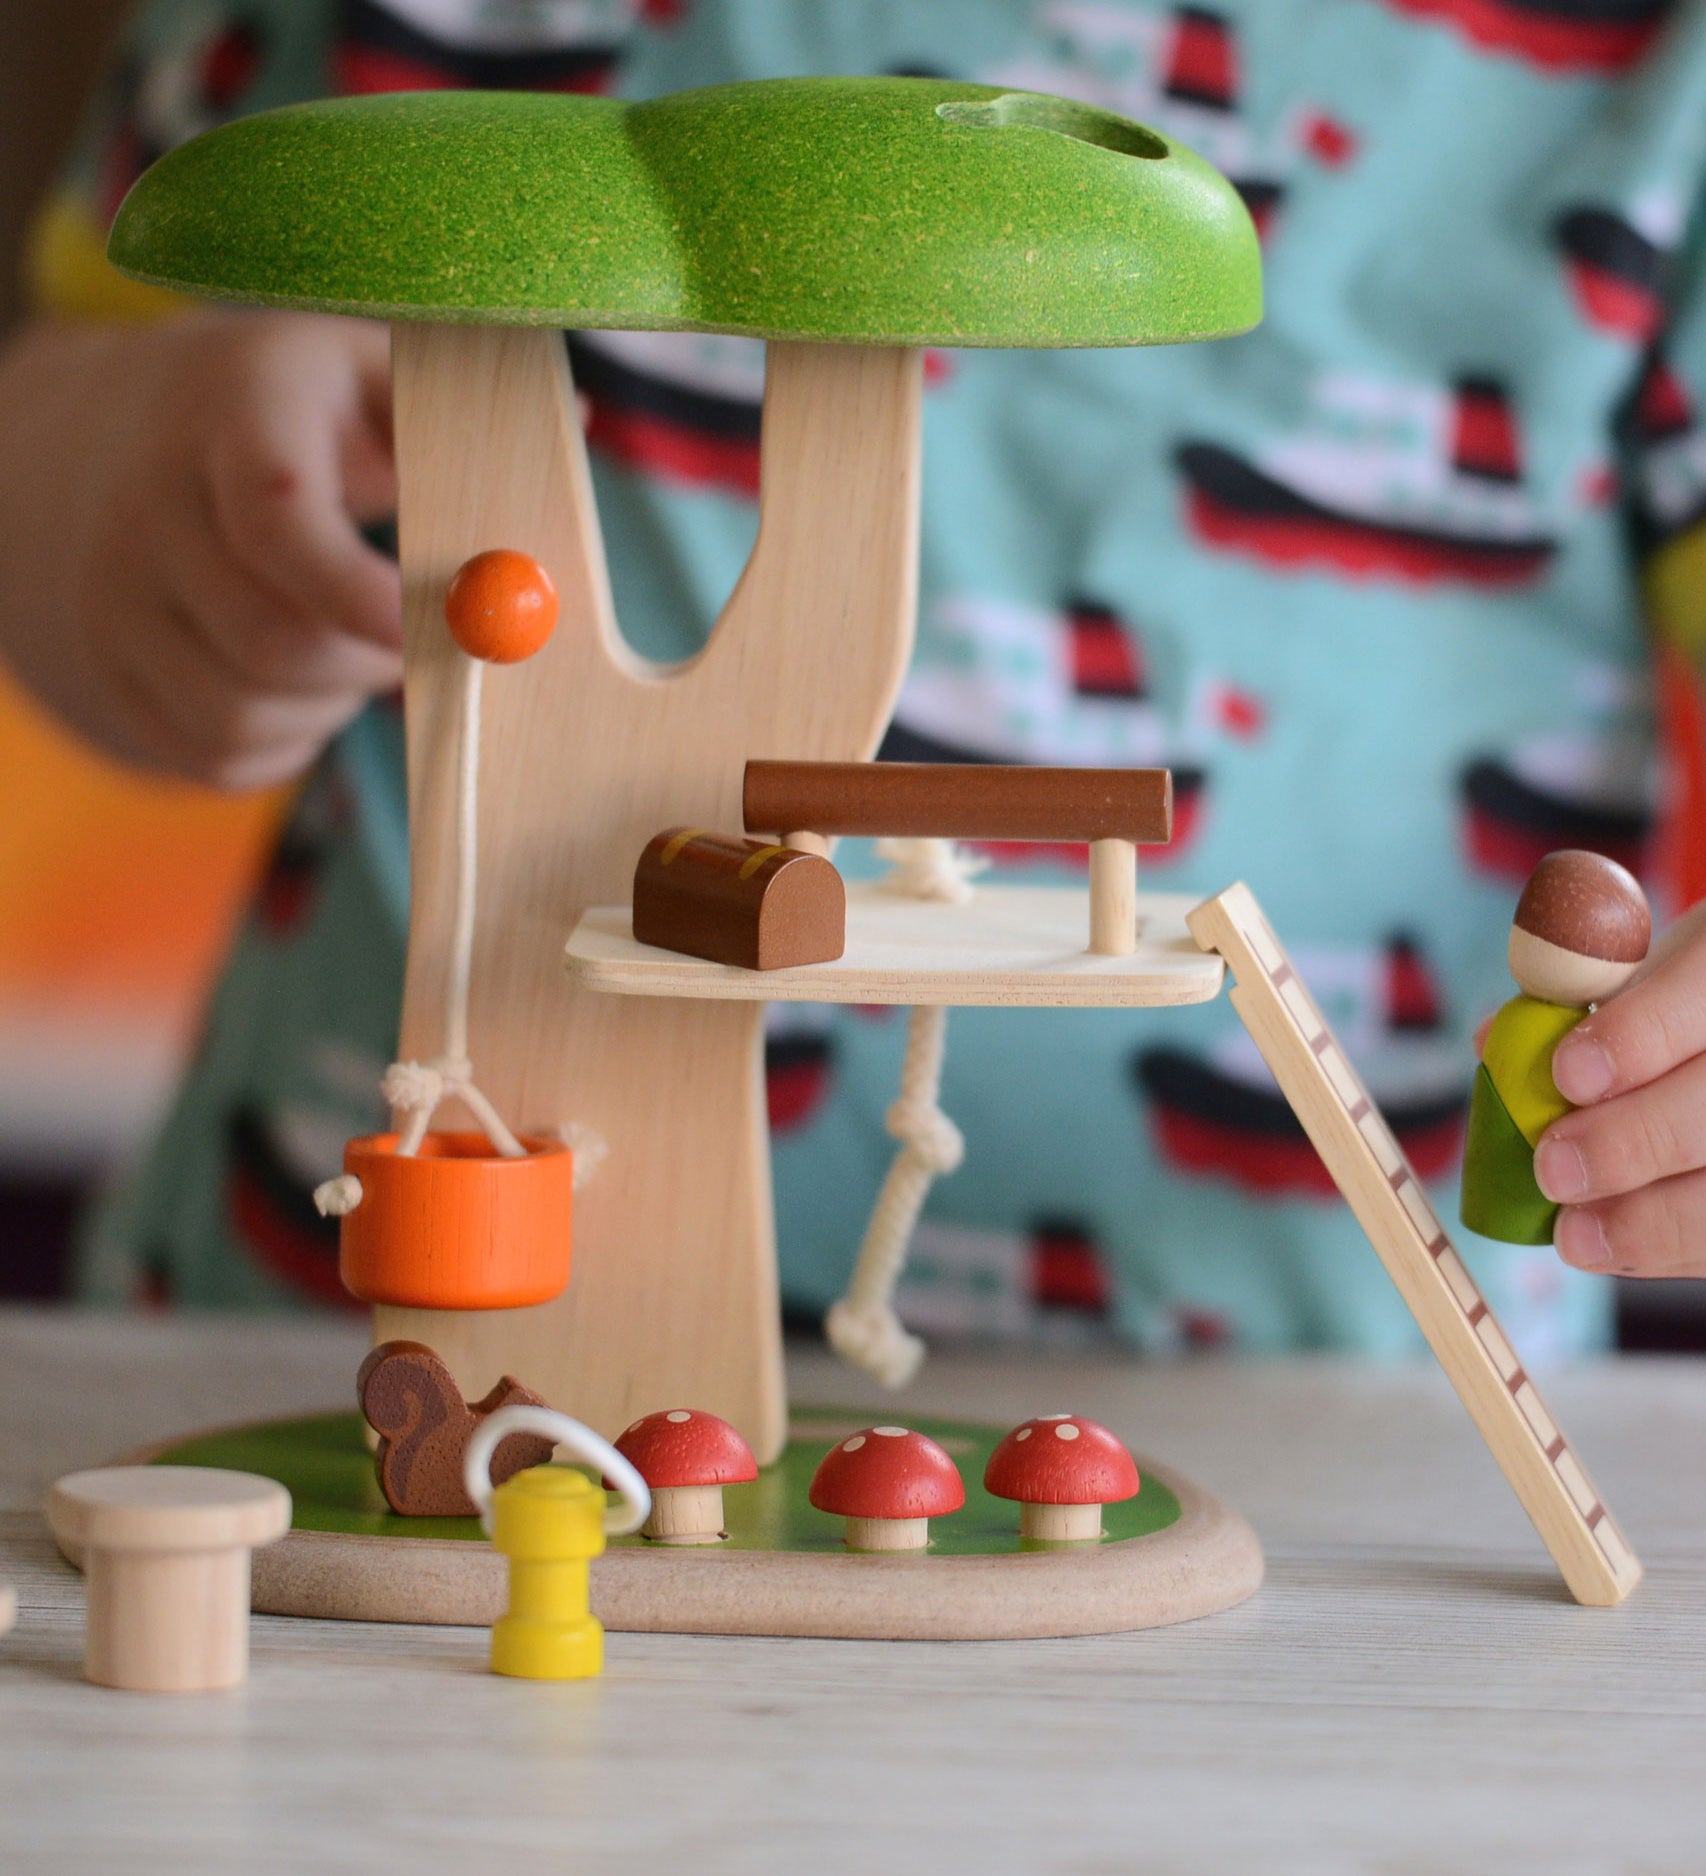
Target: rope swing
[(862, 1327), (501, 608)]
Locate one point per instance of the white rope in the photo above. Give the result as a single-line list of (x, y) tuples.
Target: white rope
[(416, 1090), (467, 864), (590, 1448), (589, 1147), (863, 1328), (337, 1198), (929, 869)]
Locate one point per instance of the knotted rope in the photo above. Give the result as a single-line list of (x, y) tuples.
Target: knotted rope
[(929, 869), (863, 1328)]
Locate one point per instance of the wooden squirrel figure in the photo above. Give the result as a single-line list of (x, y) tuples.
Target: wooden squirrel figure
[(1582, 926), (424, 1425)]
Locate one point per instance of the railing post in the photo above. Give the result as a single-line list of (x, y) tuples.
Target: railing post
[(1113, 898)]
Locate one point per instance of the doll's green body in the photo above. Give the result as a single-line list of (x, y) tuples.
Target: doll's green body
[(1513, 1103), (1581, 927)]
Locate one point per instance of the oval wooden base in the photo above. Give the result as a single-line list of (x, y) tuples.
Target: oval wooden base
[(1207, 1561)]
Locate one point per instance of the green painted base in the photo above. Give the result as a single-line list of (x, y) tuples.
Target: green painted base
[(324, 1463), (1170, 1554)]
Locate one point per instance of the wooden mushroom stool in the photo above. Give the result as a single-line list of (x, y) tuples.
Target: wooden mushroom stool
[(850, 222), (1062, 1469), (888, 1483), (165, 1554), (686, 1459)]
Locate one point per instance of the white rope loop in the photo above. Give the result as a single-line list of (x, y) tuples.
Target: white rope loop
[(874, 1341), (591, 1449)]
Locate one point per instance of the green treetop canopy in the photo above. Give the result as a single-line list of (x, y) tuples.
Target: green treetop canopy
[(891, 211)]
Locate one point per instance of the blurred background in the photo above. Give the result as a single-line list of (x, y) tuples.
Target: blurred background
[(117, 894)]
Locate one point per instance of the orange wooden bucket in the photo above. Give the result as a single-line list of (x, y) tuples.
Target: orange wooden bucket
[(457, 1226)]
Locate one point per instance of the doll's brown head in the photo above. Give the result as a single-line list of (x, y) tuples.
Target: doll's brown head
[(1582, 925)]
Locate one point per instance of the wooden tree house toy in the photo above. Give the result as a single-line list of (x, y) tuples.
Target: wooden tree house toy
[(849, 222)]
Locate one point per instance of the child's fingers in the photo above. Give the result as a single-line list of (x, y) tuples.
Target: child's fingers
[(276, 480), (369, 460), (1659, 1231), (261, 642), (1652, 1132), (184, 715), (285, 522), (1641, 1033)]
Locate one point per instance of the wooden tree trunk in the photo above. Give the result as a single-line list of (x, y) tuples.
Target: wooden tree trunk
[(587, 751)]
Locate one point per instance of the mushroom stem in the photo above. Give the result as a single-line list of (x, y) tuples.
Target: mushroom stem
[(1061, 1524), (888, 1533), (685, 1514)]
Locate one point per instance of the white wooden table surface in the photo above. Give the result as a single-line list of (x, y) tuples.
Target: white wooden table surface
[(1409, 1694)]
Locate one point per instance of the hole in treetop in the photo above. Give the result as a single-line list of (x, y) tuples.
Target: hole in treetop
[(1027, 110)]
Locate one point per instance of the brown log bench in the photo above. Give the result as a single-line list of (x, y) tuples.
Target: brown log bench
[(1114, 810)]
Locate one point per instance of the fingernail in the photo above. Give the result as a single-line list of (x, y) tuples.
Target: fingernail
[(1579, 1238), (1581, 1069), (1560, 1171)]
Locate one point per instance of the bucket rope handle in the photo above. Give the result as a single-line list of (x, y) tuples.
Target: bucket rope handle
[(416, 1090), (590, 1448)]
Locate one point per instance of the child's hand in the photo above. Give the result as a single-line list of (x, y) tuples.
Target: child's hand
[(186, 583), (1628, 1166)]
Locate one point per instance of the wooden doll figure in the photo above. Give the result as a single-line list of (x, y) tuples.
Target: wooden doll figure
[(1581, 928)]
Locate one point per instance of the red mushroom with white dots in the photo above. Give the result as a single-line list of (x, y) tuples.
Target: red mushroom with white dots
[(888, 1483), (686, 1457), (1062, 1469)]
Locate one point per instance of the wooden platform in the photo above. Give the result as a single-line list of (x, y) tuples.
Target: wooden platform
[(1008, 945), (1173, 1553)]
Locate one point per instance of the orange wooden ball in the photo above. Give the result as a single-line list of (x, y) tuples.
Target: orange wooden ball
[(501, 606)]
